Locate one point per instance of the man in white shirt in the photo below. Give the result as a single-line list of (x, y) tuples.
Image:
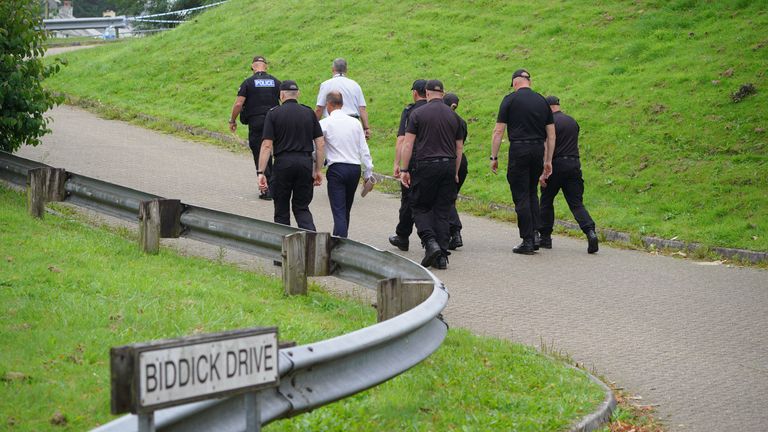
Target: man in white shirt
[(354, 101), (346, 150)]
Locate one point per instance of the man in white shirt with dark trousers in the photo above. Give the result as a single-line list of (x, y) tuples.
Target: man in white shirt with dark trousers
[(354, 101), (346, 150)]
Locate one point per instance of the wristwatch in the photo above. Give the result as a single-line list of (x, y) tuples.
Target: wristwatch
[(232, 121), (494, 158), (404, 170)]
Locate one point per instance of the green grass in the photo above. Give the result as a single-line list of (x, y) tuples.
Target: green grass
[(70, 291), (666, 151)]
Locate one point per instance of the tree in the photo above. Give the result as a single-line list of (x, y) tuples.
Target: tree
[(23, 99)]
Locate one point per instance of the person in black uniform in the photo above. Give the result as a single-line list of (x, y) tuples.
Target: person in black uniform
[(455, 242), (566, 175), (531, 131), (289, 132), (257, 95), (435, 133), (404, 226)]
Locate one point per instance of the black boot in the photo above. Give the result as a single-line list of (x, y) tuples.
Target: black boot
[(536, 240), (592, 242), (455, 241), (525, 248), (400, 242), (441, 263), (545, 242), (432, 251)]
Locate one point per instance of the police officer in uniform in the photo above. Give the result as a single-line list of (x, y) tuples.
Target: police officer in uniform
[(531, 131), (566, 175), (455, 242), (289, 133), (257, 95), (404, 226), (435, 132)]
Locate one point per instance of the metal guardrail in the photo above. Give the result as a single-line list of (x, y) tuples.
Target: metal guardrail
[(59, 24), (311, 375)]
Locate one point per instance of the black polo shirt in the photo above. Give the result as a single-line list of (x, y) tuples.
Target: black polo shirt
[(261, 92), (526, 114), (292, 128), (567, 132), (437, 128), (406, 114)]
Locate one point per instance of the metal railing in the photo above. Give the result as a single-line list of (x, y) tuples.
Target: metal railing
[(99, 23), (311, 375)]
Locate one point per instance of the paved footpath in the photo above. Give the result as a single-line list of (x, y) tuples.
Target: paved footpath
[(691, 337)]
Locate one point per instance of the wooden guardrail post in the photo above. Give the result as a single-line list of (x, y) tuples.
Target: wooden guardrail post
[(158, 218), (149, 226), (395, 296), (295, 263), (44, 185), (319, 247)]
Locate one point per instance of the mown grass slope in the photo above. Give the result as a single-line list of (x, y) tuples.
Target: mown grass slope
[(666, 150)]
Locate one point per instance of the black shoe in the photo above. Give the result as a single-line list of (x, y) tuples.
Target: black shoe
[(592, 242), (400, 242), (266, 196), (455, 241), (525, 248), (536, 241), (277, 263), (442, 262), (545, 242), (432, 252)]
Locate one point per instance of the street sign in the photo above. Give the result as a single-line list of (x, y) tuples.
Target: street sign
[(154, 375)]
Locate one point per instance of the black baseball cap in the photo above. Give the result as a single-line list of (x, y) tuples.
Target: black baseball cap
[(419, 85), (520, 73), (289, 85), (552, 100), (259, 59), (435, 85), (450, 99)]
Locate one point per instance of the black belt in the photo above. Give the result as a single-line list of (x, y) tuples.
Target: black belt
[(566, 157), (527, 142), (433, 160), (354, 116), (298, 153)]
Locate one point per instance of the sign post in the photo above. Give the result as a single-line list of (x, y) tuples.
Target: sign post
[(154, 375)]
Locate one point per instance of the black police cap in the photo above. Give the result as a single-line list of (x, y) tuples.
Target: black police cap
[(289, 85)]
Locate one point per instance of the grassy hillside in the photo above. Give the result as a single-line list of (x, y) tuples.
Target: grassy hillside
[(666, 150)]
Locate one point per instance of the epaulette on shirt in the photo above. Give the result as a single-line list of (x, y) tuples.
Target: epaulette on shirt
[(274, 107)]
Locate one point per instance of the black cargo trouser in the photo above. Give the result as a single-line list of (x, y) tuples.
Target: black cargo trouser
[(433, 194), (454, 221), (293, 188), (566, 175), (255, 131), (526, 162)]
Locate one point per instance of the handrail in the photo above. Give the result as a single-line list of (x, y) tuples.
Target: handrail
[(311, 375)]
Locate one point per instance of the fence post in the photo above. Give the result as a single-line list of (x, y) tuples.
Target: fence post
[(170, 218), (295, 263), (395, 296), (319, 247), (44, 184), (149, 226)]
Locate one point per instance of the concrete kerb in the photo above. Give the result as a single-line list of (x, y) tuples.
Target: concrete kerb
[(755, 257), (602, 415)]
